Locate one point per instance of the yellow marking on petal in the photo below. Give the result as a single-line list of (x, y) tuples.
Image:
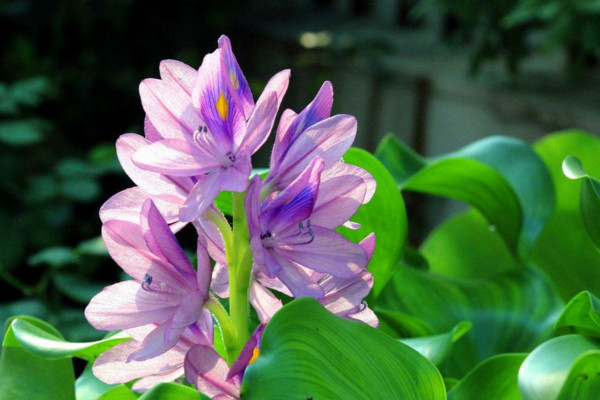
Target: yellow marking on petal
[(255, 354), (222, 106), (234, 80)]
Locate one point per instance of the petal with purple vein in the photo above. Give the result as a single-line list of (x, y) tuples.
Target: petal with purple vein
[(161, 241), (329, 252), (169, 108), (329, 139), (126, 305), (206, 370), (176, 157), (112, 366)]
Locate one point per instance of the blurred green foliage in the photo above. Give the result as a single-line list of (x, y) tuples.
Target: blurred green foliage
[(512, 30)]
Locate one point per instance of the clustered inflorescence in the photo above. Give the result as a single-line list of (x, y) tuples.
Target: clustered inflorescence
[(201, 129)]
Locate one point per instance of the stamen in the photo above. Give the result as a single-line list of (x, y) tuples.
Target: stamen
[(266, 235), (200, 136), (310, 231), (147, 282), (230, 156), (363, 305)]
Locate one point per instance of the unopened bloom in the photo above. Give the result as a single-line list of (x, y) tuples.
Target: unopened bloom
[(166, 290), (302, 137)]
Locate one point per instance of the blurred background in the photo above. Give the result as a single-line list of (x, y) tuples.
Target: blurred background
[(439, 74)]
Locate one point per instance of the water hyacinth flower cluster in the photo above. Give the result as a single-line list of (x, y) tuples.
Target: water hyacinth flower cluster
[(201, 129)]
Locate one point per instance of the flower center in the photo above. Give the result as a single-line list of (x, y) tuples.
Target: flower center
[(149, 284)]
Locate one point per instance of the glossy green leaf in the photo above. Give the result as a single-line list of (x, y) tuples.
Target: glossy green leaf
[(120, 392), (589, 197), (583, 382), (476, 184), (528, 176), (512, 312), (461, 178), (307, 352), (399, 324), (526, 199), (564, 249), (564, 368), (494, 378), (173, 391), (384, 214), (464, 246), (582, 315), (437, 348), (49, 345), (24, 376), (399, 159)]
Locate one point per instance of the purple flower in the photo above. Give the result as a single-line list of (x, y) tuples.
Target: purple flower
[(209, 373), (289, 244), (113, 367), (302, 137), (166, 291), (208, 133)]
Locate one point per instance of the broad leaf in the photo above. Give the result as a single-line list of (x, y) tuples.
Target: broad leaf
[(512, 312), (307, 352), (564, 249), (49, 345), (464, 246), (564, 368), (476, 184), (589, 197), (461, 178), (119, 393), (399, 324), (25, 376), (384, 214), (495, 378), (582, 315), (173, 391), (402, 161), (527, 174), (438, 347)]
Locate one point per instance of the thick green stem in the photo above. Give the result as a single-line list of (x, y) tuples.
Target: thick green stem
[(240, 267), (227, 329), (239, 261)]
